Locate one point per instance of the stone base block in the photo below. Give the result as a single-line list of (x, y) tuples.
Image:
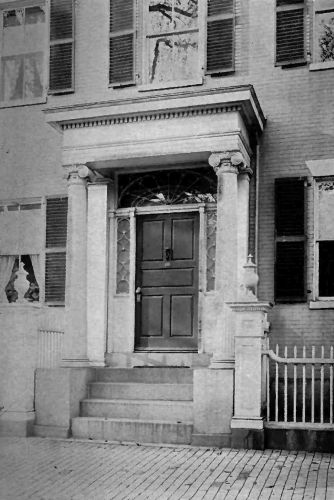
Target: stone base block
[(51, 431), (249, 439), (213, 401), (57, 397), (18, 424), (212, 440)]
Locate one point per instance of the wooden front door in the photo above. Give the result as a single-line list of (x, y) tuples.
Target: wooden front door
[(167, 282)]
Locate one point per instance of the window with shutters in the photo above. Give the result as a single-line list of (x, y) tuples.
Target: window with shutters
[(55, 251), (23, 54), (324, 238), (290, 32), (289, 240), (21, 245), (170, 43), (61, 66), (323, 35)]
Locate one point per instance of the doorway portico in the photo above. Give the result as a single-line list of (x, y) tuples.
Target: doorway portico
[(157, 275)]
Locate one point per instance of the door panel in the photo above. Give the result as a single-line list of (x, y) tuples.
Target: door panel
[(181, 315), (152, 315), (167, 278), (153, 240), (183, 239)]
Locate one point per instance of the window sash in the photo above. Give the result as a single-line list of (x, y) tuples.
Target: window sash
[(34, 49)]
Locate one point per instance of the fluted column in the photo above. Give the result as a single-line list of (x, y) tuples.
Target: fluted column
[(227, 166), (97, 270), (75, 341)]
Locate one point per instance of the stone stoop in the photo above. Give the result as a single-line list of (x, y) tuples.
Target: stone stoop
[(142, 405)]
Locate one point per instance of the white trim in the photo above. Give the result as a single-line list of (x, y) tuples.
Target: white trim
[(321, 65), (321, 168), (322, 303)]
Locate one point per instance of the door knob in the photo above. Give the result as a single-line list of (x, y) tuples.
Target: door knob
[(168, 254), (138, 294)]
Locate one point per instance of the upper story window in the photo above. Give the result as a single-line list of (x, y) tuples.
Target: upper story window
[(323, 34), (25, 55), (290, 32), (163, 43)]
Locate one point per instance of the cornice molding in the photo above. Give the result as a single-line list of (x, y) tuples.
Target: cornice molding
[(144, 117), (160, 107)]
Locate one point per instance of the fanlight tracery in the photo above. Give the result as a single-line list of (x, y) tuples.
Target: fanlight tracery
[(170, 187)]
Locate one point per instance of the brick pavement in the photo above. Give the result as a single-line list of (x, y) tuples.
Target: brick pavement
[(43, 469)]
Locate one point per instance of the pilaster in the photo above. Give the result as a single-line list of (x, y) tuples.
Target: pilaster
[(75, 340), (97, 270)]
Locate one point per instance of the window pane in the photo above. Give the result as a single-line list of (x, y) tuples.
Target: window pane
[(324, 33), (12, 78), (34, 15), (33, 75), (13, 18), (172, 15), (173, 58), (160, 18), (326, 268)]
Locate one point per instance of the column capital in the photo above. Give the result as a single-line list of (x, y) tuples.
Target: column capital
[(229, 162), (77, 173)]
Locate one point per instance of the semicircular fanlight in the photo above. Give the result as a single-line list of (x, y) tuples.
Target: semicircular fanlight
[(170, 187)]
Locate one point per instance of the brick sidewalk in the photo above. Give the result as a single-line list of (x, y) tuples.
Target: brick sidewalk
[(63, 470)]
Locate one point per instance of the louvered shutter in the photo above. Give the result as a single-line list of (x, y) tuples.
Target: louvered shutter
[(121, 48), (220, 36), (55, 257), (61, 46), (290, 36), (290, 240)]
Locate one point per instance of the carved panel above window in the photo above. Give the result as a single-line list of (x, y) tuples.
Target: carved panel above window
[(168, 188)]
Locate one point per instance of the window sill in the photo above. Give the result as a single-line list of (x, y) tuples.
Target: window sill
[(321, 304), (170, 85), (321, 66), (23, 102)]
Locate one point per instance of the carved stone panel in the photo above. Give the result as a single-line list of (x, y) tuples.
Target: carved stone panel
[(123, 255), (211, 227)]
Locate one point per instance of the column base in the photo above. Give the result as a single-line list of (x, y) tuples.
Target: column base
[(97, 362), (247, 423), (222, 364), (247, 433), (17, 423)]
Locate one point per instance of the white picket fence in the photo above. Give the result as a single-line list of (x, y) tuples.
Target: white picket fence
[(300, 387), (50, 344)]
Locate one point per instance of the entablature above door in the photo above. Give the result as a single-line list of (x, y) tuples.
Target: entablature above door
[(195, 123)]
